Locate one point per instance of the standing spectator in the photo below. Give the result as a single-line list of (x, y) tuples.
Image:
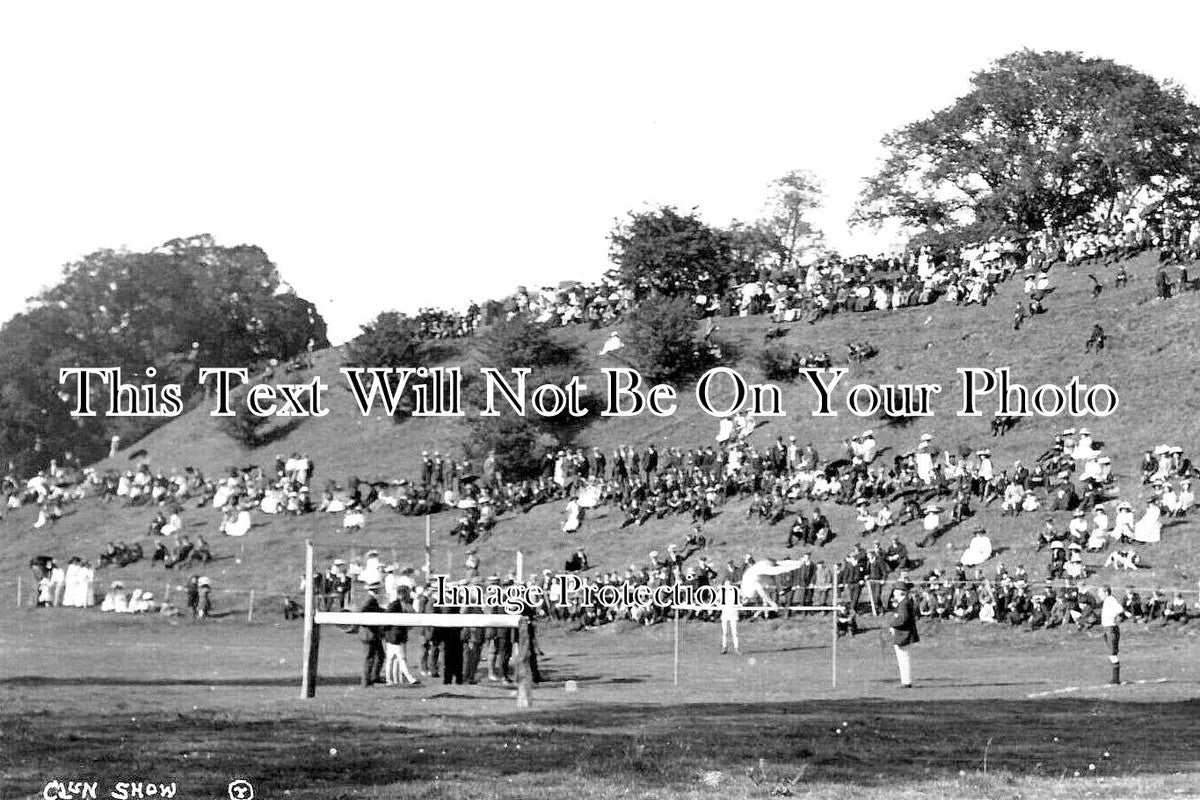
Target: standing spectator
[(1111, 614), (372, 641), (730, 611), (204, 602), (904, 631), (395, 640), (193, 595)]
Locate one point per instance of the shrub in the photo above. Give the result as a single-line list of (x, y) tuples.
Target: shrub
[(776, 363), (662, 341)]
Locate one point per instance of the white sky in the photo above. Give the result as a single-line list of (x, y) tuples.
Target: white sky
[(391, 155)]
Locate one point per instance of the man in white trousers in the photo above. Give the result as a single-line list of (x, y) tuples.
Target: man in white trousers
[(1111, 614), (904, 631), (731, 599)]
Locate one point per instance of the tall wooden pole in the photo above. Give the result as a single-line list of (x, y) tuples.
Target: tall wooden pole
[(675, 666), (520, 567), (833, 660), (524, 667), (428, 546), (312, 635)]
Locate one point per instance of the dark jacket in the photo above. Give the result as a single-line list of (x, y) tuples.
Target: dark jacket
[(396, 634), (904, 623), (369, 633)]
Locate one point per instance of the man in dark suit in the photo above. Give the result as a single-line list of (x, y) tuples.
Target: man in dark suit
[(904, 631), (805, 574), (372, 639), (850, 579)]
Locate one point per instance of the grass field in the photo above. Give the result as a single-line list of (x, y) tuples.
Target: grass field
[(995, 714)]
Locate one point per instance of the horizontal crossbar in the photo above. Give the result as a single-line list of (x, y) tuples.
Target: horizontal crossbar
[(417, 620), (758, 608)]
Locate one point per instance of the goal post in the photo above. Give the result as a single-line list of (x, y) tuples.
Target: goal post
[(313, 619)]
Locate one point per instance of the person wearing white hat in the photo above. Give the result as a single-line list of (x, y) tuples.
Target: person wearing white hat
[(986, 470), (924, 460), (1148, 529), (1123, 527), (1186, 498), (204, 608), (1111, 614), (932, 520), (978, 551), (612, 344), (1098, 538)]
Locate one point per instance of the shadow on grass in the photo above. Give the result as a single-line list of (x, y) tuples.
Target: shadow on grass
[(873, 742)]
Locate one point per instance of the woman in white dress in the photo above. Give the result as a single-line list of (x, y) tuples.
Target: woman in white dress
[(574, 516), (978, 551), (1148, 529), (174, 524), (1123, 528), (924, 461), (932, 520), (72, 596), (89, 584)]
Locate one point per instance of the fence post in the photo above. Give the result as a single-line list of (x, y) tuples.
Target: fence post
[(250, 611), (833, 660), (524, 664), (312, 635), (18, 591), (675, 666), (428, 546)]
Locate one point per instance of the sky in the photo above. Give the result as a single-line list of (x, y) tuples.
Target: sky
[(400, 155)]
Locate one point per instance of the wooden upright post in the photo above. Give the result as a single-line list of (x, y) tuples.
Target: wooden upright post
[(428, 546), (524, 665), (18, 591), (312, 634), (833, 660), (675, 665), (520, 567)]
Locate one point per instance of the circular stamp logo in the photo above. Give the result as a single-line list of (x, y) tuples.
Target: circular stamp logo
[(241, 790)]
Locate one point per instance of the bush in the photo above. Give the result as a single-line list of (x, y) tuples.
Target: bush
[(776, 363), (390, 340), (518, 443), (244, 427), (662, 341)]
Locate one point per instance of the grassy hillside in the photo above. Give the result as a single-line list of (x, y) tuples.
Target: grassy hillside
[(1148, 361)]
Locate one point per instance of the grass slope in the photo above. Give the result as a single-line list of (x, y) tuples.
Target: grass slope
[(1151, 344)]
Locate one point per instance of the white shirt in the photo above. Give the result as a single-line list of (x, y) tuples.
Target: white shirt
[(1111, 612)]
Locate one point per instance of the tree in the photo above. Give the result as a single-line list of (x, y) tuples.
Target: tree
[(390, 340), (662, 341), (670, 254), (189, 302), (519, 441), (1042, 140), (793, 197), (518, 444), (521, 342)]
